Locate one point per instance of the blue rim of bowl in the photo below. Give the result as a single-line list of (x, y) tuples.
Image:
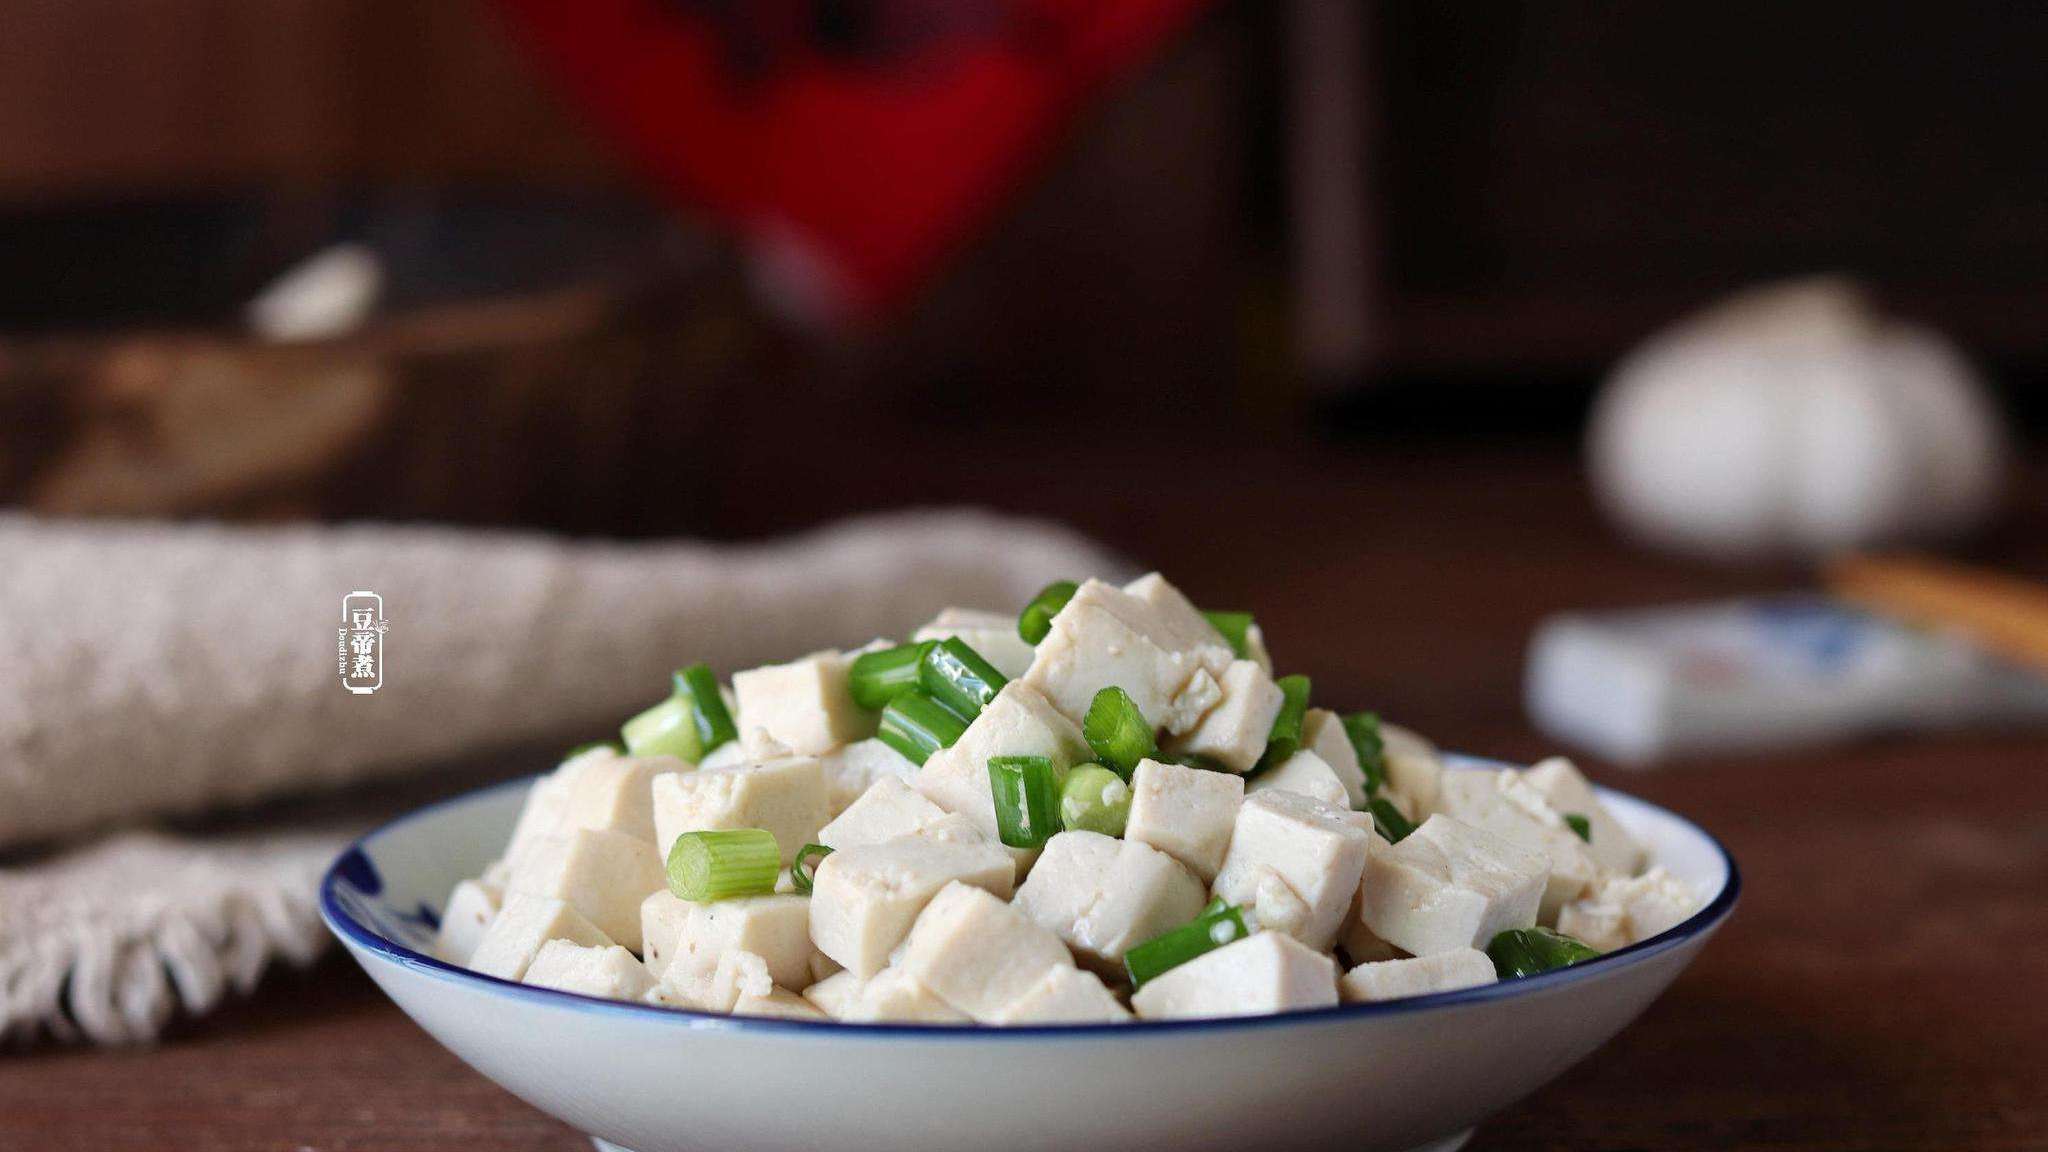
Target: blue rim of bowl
[(353, 932)]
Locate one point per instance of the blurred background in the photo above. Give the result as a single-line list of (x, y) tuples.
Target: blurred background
[(1339, 281)]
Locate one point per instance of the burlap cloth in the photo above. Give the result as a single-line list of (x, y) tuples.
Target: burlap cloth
[(152, 673)]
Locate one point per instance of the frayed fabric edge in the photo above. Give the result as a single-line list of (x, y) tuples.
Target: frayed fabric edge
[(107, 943)]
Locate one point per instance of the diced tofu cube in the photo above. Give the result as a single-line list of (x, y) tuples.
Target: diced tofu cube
[(522, 926), (993, 636), (895, 997), (1065, 996), (1313, 847), (1362, 945), (471, 908), (1448, 886), (775, 928), (1189, 628), (1625, 910), (1234, 732), (1018, 722), (779, 1003), (887, 810), (1414, 768), (852, 770), (1322, 732), (662, 916), (1255, 648), (1105, 637), (1277, 908), (547, 803), (739, 973), (604, 875), (804, 707), (1263, 974), (731, 754), (1187, 813), (1498, 802), (1595, 923), (1102, 895), (616, 794), (604, 970), (1304, 774), (864, 900), (786, 797), (978, 953), (835, 993), (1561, 783), (1398, 979)]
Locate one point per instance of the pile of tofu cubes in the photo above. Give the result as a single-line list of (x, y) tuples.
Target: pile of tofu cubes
[(922, 914)]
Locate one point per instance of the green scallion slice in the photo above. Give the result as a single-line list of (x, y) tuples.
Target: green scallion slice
[(1219, 924), (875, 678), (1234, 626), (1117, 732), (917, 726), (801, 877), (1580, 826), (956, 675), (1036, 619), (1094, 799), (1528, 951), (1363, 729), (1285, 738), (707, 707), (667, 729), (1026, 790), (706, 866), (1393, 827)]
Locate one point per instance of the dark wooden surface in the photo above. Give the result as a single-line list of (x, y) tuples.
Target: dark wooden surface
[(1880, 987)]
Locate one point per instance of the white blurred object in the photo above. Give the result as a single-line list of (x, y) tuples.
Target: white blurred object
[(1794, 419), (1637, 687), (326, 295)]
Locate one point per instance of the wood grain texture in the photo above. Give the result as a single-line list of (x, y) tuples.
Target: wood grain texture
[(1880, 987)]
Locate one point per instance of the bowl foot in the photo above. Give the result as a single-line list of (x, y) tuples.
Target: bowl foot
[(1448, 1144)]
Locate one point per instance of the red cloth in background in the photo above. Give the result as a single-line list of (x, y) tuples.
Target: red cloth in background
[(853, 142)]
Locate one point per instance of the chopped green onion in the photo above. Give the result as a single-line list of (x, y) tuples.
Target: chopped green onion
[(1580, 826), (1036, 619), (594, 745), (1363, 729), (1234, 626), (875, 678), (707, 707), (956, 675), (667, 729), (1393, 826), (1117, 732), (1219, 924), (1094, 799), (1285, 738), (688, 725), (800, 878), (1527, 951), (1205, 763), (706, 866), (917, 726), (1026, 791)]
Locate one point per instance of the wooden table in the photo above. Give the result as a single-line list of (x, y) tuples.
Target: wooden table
[(1883, 985)]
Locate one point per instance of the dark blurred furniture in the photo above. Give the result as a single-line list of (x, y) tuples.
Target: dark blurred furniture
[(1882, 984), (1546, 181)]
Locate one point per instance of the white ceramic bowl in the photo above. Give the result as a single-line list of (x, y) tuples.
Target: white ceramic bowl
[(1413, 1073)]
